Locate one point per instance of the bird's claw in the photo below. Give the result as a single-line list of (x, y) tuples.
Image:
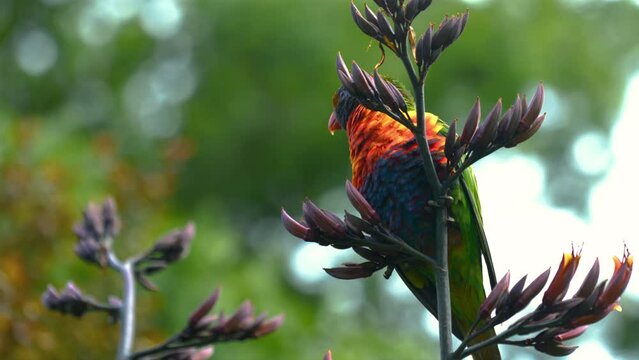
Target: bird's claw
[(446, 200), (388, 272)]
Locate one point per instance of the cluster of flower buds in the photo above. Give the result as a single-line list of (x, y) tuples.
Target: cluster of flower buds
[(516, 125), (204, 329), (394, 32), (99, 225), (365, 234), (170, 248), (373, 91), (428, 48), (72, 301), (241, 325), (556, 319), (390, 33)]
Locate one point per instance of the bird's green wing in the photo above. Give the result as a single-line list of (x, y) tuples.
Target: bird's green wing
[(469, 185)]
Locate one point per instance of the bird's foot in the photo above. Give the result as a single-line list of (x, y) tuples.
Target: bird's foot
[(388, 272), (445, 200)]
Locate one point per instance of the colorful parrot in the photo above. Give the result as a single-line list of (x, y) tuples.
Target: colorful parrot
[(388, 171)]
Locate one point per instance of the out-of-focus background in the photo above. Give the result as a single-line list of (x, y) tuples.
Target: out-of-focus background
[(216, 111)]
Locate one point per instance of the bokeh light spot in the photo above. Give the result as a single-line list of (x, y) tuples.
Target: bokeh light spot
[(95, 26), (591, 154), (36, 52), (161, 18), (173, 81)]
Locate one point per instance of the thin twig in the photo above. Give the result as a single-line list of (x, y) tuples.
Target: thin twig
[(127, 312), (442, 281), (411, 251), (165, 346)]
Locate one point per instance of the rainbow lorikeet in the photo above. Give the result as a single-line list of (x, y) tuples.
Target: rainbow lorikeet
[(388, 171)]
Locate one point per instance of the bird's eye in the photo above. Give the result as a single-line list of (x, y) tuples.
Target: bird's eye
[(335, 100)]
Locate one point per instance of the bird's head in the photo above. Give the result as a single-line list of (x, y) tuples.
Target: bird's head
[(343, 105)]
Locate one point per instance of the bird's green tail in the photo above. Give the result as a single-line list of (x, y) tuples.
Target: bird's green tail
[(464, 308)]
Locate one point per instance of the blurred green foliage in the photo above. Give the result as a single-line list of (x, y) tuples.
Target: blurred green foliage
[(216, 111)]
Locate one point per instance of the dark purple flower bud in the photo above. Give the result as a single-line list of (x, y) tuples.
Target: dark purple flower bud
[(618, 282), (364, 25), (145, 281), (362, 85), (368, 254), (423, 51), (509, 122), (589, 302), (110, 218), (513, 295), (328, 223), (528, 133), (380, 3), (555, 349), (234, 322), (564, 305), (176, 244), (360, 204), (93, 221), (352, 271), (594, 315), (370, 15), (50, 298), (383, 88), (533, 109), (385, 28), (70, 301), (341, 67), (451, 142), (397, 95), (472, 122), (449, 30), (294, 227), (358, 225), (269, 326), (344, 75), (590, 281), (571, 334), (392, 5), (91, 251), (463, 21), (531, 291), (487, 130), (559, 284), (494, 297), (203, 309), (411, 10)]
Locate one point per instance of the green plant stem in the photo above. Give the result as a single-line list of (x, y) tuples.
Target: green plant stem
[(127, 312), (442, 281)]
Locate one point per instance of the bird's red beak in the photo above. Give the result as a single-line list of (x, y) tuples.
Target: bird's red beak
[(333, 124)]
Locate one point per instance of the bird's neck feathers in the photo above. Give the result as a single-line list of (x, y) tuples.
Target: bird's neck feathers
[(374, 136)]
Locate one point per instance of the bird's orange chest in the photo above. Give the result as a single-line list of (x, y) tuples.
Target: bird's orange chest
[(372, 136)]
